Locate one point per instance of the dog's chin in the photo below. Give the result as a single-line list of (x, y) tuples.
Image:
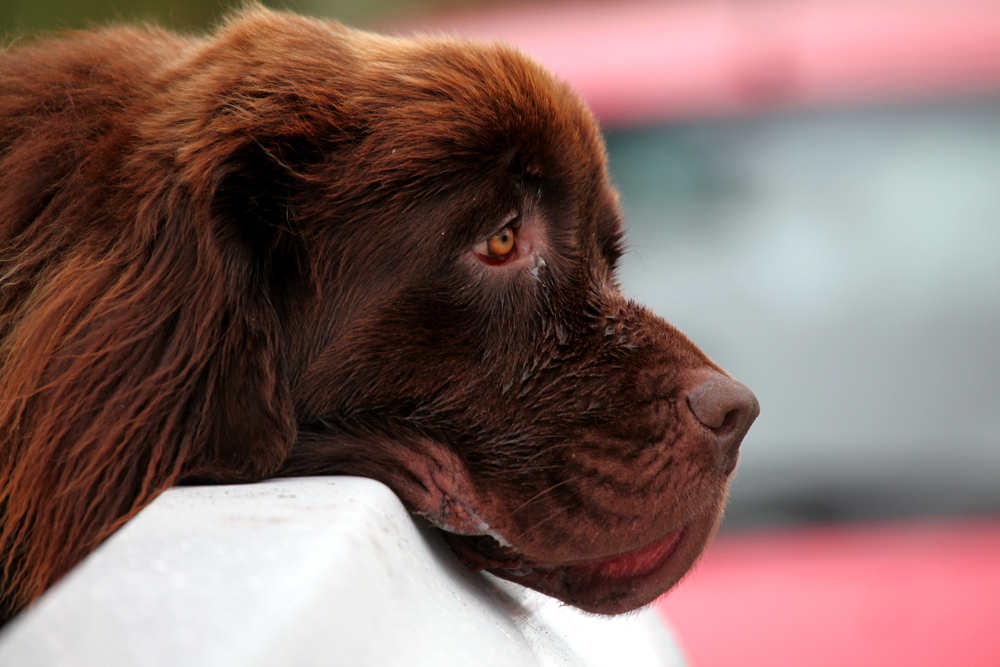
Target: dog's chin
[(612, 584)]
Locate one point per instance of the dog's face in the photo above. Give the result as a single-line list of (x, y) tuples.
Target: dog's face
[(470, 346), (291, 248)]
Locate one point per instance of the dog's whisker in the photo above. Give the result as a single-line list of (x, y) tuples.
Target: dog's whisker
[(544, 492)]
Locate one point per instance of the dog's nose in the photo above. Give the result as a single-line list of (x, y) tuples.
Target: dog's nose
[(727, 409)]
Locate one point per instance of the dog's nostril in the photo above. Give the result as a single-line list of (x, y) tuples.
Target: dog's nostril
[(727, 409), (729, 422)]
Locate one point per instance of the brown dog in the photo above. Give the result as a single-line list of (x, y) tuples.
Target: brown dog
[(294, 249)]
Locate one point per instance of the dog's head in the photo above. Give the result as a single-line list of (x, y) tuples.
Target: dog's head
[(440, 237)]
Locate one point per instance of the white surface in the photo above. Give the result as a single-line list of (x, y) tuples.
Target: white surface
[(318, 571)]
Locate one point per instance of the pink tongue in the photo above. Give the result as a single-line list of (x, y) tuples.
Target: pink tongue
[(638, 562)]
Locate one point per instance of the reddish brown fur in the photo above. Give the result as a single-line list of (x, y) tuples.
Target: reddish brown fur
[(246, 255)]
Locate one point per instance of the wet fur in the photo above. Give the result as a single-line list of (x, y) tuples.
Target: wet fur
[(247, 255)]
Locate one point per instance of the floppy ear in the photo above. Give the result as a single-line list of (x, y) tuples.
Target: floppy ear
[(141, 346), (265, 276)]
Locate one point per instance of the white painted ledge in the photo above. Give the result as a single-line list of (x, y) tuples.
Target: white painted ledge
[(303, 572)]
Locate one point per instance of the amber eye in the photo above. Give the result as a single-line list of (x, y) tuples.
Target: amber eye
[(501, 243), (498, 248)]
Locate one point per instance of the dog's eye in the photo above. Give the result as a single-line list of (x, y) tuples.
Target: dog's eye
[(499, 248), (501, 243)]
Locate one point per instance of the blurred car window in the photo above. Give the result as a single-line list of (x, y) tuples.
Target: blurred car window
[(846, 265)]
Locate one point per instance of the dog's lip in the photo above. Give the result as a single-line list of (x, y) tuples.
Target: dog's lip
[(636, 562), (482, 552), (611, 584)]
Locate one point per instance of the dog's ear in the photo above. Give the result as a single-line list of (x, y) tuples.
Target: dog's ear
[(263, 263)]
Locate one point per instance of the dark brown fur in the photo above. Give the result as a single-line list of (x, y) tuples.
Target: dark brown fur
[(229, 258)]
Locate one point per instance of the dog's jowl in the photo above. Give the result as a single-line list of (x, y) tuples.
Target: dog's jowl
[(291, 248)]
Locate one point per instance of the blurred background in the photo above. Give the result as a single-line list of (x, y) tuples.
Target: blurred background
[(812, 191)]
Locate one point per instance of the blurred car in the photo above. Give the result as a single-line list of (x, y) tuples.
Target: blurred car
[(812, 193)]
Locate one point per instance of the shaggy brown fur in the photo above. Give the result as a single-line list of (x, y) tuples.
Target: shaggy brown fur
[(270, 252)]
